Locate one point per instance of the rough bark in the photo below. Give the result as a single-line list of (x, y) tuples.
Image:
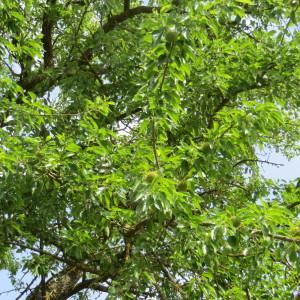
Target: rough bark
[(47, 31), (59, 287)]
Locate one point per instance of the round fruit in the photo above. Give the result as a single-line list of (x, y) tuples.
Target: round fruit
[(150, 176), (232, 240), (205, 147), (236, 221), (181, 186), (171, 36)]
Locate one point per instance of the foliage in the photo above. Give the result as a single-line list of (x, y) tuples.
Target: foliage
[(130, 140)]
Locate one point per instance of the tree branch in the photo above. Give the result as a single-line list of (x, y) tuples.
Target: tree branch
[(114, 21), (47, 28), (27, 288), (279, 237), (171, 279), (126, 5), (90, 284), (243, 161), (79, 265), (59, 286)]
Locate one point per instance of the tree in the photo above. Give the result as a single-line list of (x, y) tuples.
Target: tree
[(131, 136)]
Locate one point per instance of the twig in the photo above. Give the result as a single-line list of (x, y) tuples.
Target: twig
[(160, 292), (78, 27), (236, 254), (70, 262), (211, 191), (278, 237), (207, 224), (9, 291), (282, 262), (27, 288), (154, 142), (11, 69), (176, 285), (288, 23), (257, 160), (237, 185), (251, 36)]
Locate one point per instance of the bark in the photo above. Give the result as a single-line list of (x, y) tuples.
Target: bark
[(47, 30), (59, 287)]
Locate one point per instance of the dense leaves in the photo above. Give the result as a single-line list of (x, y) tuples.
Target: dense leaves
[(131, 144)]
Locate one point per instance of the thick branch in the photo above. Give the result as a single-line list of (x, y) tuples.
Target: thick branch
[(47, 28), (128, 14), (90, 284), (59, 286), (126, 5)]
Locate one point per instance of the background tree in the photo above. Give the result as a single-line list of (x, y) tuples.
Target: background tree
[(130, 134)]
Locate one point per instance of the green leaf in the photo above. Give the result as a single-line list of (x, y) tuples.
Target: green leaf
[(17, 15), (73, 147), (165, 8), (135, 146), (246, 2)]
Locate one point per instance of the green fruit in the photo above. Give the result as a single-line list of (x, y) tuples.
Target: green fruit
[(181, 186), (205, 147), (171, 36), (232, 240), (236, 221), (149, 177)]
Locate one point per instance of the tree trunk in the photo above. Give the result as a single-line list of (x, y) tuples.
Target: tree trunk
[(59, 287)]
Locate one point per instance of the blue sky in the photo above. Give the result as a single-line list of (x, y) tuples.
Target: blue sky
[(289, 171)]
